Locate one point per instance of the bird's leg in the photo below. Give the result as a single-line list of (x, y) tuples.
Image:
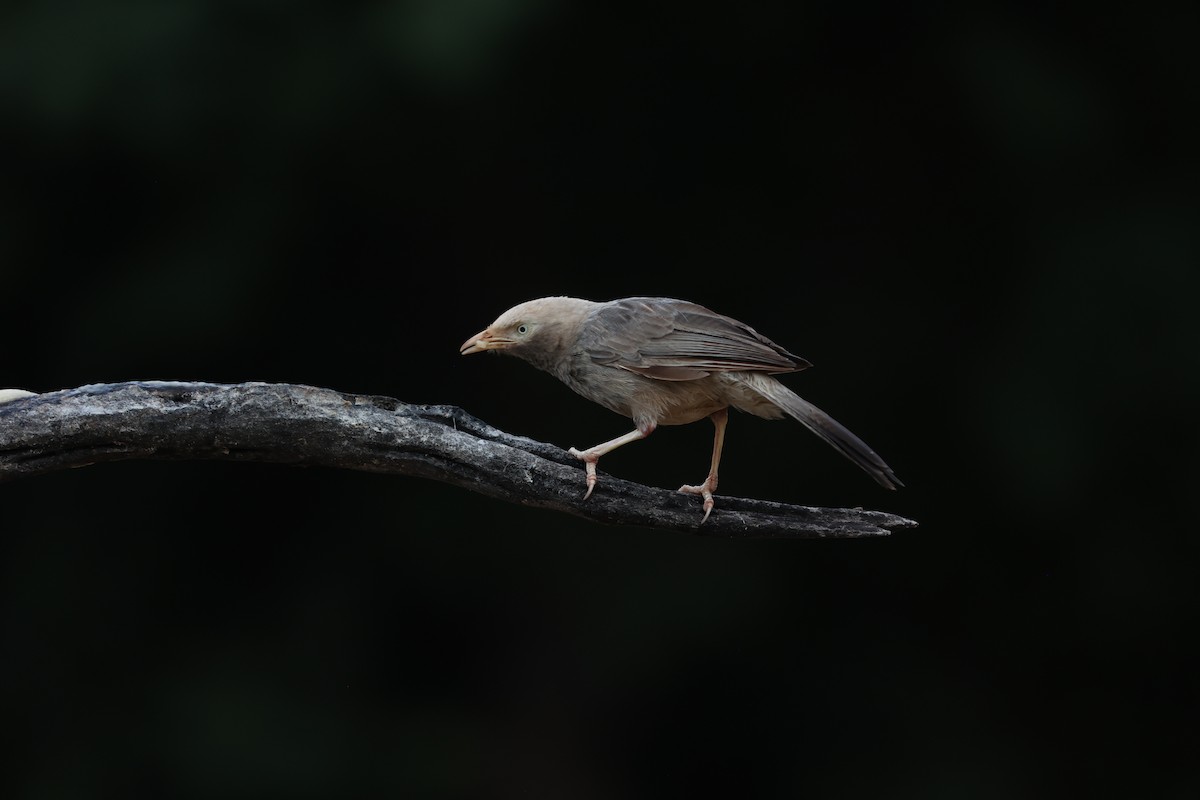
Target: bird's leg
[(592, 455), (706, 489)]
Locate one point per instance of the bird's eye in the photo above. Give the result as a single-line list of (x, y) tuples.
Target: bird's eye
[(522, 329)]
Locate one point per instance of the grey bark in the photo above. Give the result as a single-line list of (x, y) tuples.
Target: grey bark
[(305, 425)]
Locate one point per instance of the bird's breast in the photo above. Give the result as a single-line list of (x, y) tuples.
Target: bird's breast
[(647, 399), (608, 386)]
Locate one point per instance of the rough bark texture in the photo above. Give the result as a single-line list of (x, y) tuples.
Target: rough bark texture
[(304, 425)]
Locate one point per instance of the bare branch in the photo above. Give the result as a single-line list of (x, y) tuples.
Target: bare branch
[(304, 425)]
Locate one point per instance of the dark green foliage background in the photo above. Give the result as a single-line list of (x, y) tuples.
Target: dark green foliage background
[(980, 224)]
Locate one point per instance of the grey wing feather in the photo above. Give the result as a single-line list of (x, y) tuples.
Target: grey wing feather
[(676, 340)]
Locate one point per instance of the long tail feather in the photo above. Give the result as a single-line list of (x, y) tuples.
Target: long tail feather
[(829, 429)]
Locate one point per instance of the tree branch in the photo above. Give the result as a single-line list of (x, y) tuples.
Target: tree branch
[(304, 425)]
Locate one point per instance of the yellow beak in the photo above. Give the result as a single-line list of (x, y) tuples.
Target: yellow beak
[(483, 341)]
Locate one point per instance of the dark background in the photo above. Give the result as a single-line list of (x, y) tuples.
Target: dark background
[(979, 224)]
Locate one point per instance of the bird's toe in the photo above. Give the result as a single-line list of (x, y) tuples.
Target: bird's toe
[(589, 462), (705, 490)]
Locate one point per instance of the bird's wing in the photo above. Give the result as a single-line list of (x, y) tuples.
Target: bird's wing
[(678, 341)]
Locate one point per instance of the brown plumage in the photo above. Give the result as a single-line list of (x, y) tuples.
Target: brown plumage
[(660, 361)]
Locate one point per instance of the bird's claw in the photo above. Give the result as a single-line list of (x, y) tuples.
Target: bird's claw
[(589, 462), (705, 490)]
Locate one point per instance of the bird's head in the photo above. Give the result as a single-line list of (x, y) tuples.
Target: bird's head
[(512, 329), (533, 330)]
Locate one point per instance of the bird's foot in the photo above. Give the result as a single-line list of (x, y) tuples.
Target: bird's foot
[(705, 490), (589, 460)]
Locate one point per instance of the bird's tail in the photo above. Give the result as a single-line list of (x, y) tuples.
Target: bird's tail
[(826, 427)]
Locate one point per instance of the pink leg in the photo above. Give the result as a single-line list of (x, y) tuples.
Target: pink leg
[(706, 489), (592, 455)]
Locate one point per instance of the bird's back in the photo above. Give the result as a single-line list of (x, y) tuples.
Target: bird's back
[(671, 339)]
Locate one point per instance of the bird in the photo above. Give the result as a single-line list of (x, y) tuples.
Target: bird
[(662, 361)]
